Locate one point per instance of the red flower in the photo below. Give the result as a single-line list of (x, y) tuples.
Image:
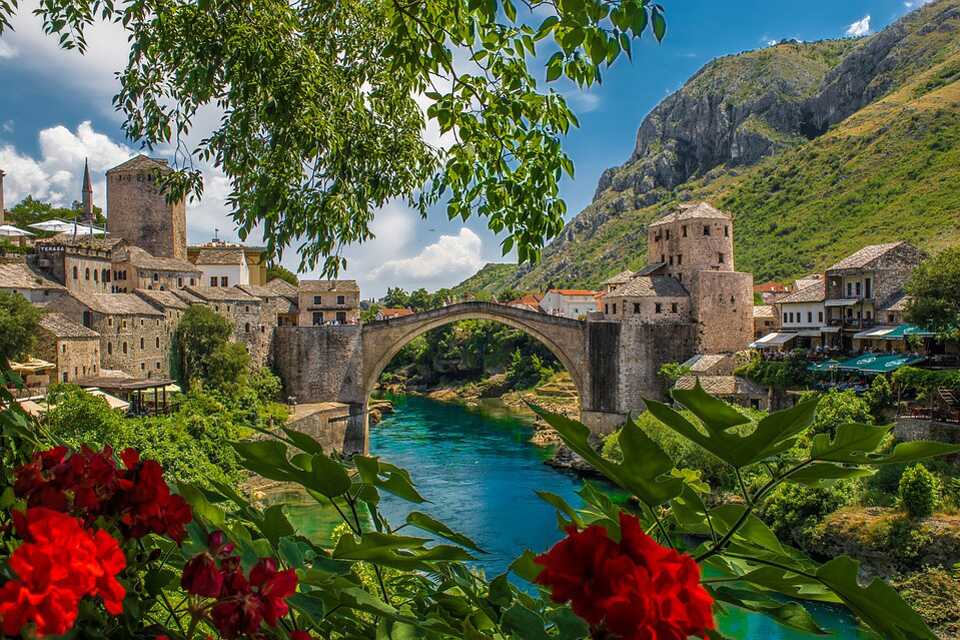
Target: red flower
[(300, 635), (58, 564), (202, 577), (635, 590)]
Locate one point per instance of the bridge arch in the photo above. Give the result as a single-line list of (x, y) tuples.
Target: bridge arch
[(565, 338)]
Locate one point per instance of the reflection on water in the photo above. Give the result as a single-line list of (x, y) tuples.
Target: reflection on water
[(480, 475)]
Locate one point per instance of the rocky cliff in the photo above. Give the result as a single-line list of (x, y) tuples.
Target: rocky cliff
[(725, 132)]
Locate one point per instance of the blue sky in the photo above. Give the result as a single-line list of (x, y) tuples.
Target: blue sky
[(55, 109)]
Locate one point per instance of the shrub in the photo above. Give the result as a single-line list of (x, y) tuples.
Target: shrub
[(919, 491), (526, 371), (935, 594), (791, 510), (879, 395), (838, 408)]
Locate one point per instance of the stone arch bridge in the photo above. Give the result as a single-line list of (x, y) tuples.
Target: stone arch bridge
[(613, 364)]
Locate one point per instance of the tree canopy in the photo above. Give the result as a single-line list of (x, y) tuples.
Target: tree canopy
[(279, 271), (935, 291), (30, 211), (201, 333), (324, 106), (19, 321)]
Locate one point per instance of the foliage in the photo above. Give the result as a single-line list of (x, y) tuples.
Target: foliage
[(19, 321), (31, 211), (200, 333), (934, 289), (279, 271), (879, 395), (227, 365), (309, 160), (919, 491), (672, 371), (934, 593), (370, 313), (793, 509), (525, 372), (488, 280), (791, 372), (924, 380), (837, 408)]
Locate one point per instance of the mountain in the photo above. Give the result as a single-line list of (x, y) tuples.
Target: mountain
[(815, 148)]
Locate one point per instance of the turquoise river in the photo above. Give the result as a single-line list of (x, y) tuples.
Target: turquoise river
[(480, 474)]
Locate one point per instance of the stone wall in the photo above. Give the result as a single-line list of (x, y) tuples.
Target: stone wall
[(322, 363), (138, 212), (921, 429), (644, 348), (722, 304), (86, 274), (685, 249), (335, 425), (75, 357)]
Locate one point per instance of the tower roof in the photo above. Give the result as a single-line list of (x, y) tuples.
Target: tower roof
[(141, 162), (697, 211), (87, 182)]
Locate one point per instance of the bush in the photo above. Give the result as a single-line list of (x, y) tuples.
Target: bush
[(840, 407), (919, 491), (791, 510), (791, 372), (934, 593), (879, 395), (526, 371)]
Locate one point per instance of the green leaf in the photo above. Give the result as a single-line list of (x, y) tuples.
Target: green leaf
[(659, 24), (878, 605), (723, 438), (427, 523), (791, 614), (569, 625), (524, 623), (275, 524), (303, 441), (525, 567), (547, 26), (561, 505), (554, 66), (328, 477), (399, 552), (645, 468), (856, 443), (823, 473), (388, 477)]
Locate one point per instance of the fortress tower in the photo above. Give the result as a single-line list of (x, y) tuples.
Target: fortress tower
[(138, 212)]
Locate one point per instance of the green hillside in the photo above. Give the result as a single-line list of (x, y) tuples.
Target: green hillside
[(488, 280), (888, 171)]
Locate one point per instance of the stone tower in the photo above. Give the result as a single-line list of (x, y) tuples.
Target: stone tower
[(87, 198), (695, 246), (2, 210), (138, 212)]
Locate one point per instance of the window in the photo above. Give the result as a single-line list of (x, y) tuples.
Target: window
[(317, 300), (820, 317), (810, 317), (106, 275), (684, 230), (856, 288), (784, 318), (213, 281), (720, 258), (658, 308), (726, 231), (890, 318), (614, 309), (263, 329), (158, 342), (606, 308), (663, 258), (671, 261), (141, 322), (866, 288), (141, 343), (679, 258), (706, 229), (192, 281), (680, 277), (64, 376), (849, 289), (96, 276), (158, 364), (156, 277), (246, 327), (86, 273), (109, 348), (668, 234), (791, 316), (342, 317), (223, 281), (75, 276), (124, 347), (143, 366), (673, 307), (341, 300), (228, 308), (317, 317)]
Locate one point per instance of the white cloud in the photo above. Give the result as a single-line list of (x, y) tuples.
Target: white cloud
[(859, 28), (443, 263), (57, 174), (7, 126), (582, 101), (912, 4), (7, 50)]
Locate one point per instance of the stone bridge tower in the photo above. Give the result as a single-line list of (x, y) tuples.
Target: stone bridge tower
[(138, 212)]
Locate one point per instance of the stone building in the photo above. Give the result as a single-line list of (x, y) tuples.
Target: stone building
[(766, 320), (222, 265), (73, 348), (864, 285), (17, 276), (693, 239), (278, 309), (328, 301), (84, 264), (134, 268), (138, 212), (168, 303), (617, 280), (648, 299), (133, 333), (251, 326), (569, 303)]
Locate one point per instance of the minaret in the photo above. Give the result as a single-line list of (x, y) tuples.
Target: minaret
[(87, 194), (2, 174)]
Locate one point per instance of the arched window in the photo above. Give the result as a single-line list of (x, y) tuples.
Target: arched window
[(141, 343), (246, 327), (109, 348), (76, 276), (96, 276), (86, 273), (124, 347), (158, 342)]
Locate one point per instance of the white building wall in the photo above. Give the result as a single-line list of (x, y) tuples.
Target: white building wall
[(235, 273), (568, 306), (802, 315)]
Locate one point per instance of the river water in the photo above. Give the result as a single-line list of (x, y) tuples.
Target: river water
[(480, 475)]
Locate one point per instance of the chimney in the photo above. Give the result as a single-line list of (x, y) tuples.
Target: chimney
[(2, 174)]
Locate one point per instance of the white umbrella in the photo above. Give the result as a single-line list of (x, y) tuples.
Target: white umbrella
[(12, 231), (58, 226)]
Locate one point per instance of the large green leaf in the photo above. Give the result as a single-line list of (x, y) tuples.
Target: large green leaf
[(723, 433), (878, 604), (428, 523), (789, 614), (526, 567), (524, 623), (857, 443), (327, 476), (399, 552), (645, 468), (388, 477), (821, 473)]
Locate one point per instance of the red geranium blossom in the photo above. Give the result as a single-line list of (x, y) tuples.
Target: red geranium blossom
[(635, 589), (58, 564), (89, 484)]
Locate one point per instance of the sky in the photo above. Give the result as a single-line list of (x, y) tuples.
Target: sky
[(56, 110)]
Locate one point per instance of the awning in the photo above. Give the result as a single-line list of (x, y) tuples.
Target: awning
[(873, 334), (809, 333), (906, 330), (773, 340), (826, 365), (872, 363), (830, 329), (841, 302)]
